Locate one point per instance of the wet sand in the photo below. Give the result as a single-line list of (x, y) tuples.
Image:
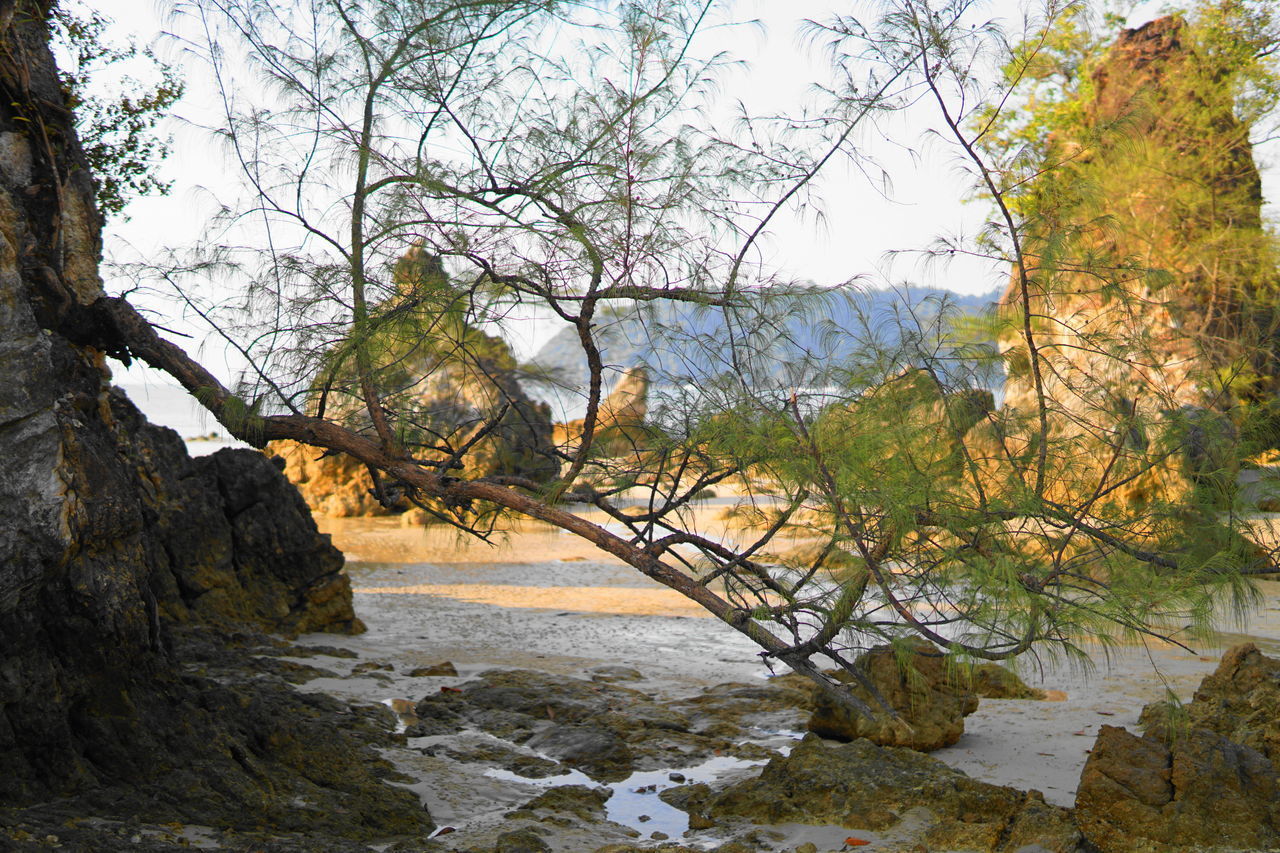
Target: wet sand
[(547, 600)]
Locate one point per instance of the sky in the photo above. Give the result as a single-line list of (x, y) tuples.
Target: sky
[(862, 222)]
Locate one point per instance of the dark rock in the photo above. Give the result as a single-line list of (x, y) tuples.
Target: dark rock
[(1196, 791), (115, 546), (586, 804), (930, 695), (598, 752), (863, 786), (500, 755), (686, 798), (520, 841)]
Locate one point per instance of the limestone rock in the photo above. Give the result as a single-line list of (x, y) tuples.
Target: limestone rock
[(930, 695), (863, 786), (1240, 701), (1149, 365), (453, 400), (1197, 791), (619, 424)]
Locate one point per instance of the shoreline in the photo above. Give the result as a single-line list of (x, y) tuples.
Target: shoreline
[(547, 601)]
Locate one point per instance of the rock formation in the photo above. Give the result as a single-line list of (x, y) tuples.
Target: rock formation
[(1202, 777), (619, 425), (474, 402), (1143, 272), (863, 786), (931, 696), (110, 537)]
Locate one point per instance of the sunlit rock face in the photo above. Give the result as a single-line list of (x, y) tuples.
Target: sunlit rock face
[(620, 423), (1142, 268)]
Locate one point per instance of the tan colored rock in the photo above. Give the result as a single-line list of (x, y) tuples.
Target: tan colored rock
[(1240, 701), (454, 400), (621, 418), (930, 695), (993, 681), (1160, 349), (1198, 791)]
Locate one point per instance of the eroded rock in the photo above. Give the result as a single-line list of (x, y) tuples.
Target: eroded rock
[(930, 695), (1194, 791), (863, 786)]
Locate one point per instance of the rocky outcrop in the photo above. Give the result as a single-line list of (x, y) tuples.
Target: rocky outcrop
[(619, 425), (1197, 791), (863, 786), (929, 693), (233, 543), (605, 730), (1240, 701), (1202, 777), (475, 405), (1155, 252), (114, 546)]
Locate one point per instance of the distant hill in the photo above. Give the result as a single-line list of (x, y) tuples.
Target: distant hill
[(680, 343)]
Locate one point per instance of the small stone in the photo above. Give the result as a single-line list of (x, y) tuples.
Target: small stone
[(807, 847), (659, 836), (644, 818), (435, 670), (697, 821), (371, 666), (678, 778)]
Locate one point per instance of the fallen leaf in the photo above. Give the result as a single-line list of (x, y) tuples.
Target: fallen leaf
[(1107, 713), (450, 690), (855, 842)]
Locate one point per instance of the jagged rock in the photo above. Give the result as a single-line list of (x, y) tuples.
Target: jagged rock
[(928, 692), (619, 424), (235, 543), (1149, 367), (1240, 701), (114, 545), (1192, 791), (863, 786), (472, 402)]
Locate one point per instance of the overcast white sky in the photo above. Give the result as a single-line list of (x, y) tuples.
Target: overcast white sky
[(861, 224)]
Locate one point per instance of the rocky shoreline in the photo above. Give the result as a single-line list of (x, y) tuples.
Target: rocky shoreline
[(523, 761)]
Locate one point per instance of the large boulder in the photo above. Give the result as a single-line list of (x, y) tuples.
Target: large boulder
[(1240, 701), (1203, 776), (110, 537), (1190, 790), (930, 694), (863, 786), (233, 542)]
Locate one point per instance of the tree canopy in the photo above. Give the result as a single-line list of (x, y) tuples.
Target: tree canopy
[(560, 155)]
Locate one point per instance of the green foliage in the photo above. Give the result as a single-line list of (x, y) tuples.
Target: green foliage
[(116, 127)]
